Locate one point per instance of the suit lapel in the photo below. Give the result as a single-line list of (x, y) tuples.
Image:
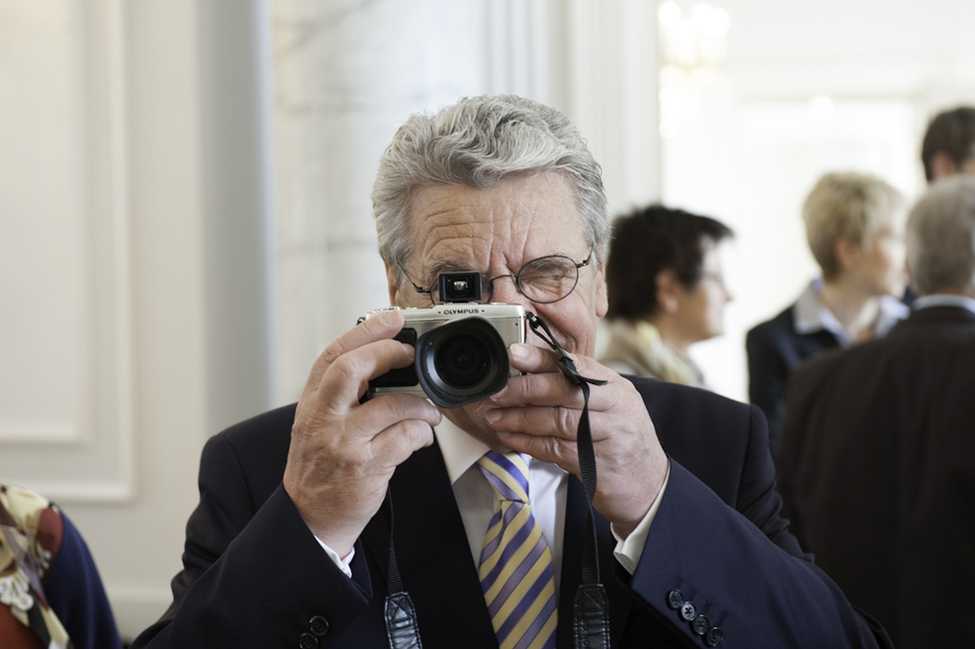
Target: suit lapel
[(433, 554)]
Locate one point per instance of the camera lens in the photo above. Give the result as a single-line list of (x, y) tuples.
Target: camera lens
[(462, 360)]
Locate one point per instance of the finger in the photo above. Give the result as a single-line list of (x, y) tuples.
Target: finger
[(550, 389), (533, 360), (402, 439), (560, 423), (388, 410), (553, 450), (370, 330), (553, 389), (347, 378)]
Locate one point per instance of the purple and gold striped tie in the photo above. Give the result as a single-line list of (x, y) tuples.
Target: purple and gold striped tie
[(516, 563)]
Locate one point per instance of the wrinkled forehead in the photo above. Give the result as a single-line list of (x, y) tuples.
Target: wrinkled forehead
[(518, 219)]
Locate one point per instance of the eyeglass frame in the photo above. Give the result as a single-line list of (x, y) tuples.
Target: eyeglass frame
[(514, 276)]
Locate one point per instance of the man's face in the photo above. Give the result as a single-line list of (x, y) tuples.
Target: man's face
[(496, 231)]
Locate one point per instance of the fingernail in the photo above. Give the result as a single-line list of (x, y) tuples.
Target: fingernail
[(389, 317), (493, 416), (519, 351), (500, 393)]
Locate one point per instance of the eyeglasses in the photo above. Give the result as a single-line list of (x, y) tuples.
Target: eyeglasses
[(543, 280), (717, 278)]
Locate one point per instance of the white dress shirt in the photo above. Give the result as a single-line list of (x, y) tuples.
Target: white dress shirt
[(939, 299), (548, 486), (811, 315)]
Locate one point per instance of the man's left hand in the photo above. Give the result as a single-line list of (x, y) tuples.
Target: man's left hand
[(538, 413)]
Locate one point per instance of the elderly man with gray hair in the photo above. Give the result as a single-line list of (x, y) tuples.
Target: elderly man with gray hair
[(877, 466), (671, 537)]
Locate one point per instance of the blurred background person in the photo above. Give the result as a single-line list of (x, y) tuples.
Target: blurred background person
[(854, 226), (877, 466), (666, 290), (949, 144), (51, 596)]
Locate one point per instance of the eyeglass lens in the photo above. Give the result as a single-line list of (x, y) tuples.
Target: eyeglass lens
[(542, 280)]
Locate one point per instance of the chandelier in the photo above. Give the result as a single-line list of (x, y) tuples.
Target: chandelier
[(693, 50)]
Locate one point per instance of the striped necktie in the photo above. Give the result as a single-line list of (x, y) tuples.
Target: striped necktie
[(516, 563)]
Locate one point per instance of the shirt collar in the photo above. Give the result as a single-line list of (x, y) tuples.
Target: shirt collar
[(460, 450), (962, 301), (811, 314)]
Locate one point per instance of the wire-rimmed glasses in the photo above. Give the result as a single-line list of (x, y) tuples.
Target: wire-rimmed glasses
[(543, 280)]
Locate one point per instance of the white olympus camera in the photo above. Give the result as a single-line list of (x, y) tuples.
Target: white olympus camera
[(461, 350)]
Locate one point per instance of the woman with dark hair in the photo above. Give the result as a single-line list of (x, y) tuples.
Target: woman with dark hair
[(666, 292)]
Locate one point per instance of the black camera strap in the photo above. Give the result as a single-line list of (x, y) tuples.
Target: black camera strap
[(401, 627), (591, 623), (591, 605)]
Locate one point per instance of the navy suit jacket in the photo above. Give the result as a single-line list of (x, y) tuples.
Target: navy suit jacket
[(878, 471), (775, 349), (254, 575)]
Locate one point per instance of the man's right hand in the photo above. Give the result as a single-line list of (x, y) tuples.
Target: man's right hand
[(344, 453)]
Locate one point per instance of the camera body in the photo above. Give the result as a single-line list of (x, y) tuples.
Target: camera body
[(461, 351)]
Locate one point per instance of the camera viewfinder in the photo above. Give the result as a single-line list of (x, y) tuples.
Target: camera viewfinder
[(460, 287)]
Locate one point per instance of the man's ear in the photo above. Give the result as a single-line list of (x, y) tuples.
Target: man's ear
[(602, 298), (667, 289), (847, 253), (393, 286), (942, 166)]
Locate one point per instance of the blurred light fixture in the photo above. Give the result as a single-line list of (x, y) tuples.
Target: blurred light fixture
[(822, 106), (693, 49), (693, 35)]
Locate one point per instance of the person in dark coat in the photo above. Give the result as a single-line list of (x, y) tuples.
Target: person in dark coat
[(291, 543), (877, 465)]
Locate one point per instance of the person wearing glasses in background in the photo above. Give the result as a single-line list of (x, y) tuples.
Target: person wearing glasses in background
[(855, 229), (666, 292), (292, 545)]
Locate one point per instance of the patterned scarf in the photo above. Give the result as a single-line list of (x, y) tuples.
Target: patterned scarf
[(31, 531)]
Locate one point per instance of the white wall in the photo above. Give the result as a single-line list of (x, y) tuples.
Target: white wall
[(133, 184)]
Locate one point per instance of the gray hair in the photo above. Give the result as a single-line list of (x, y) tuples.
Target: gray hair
[(479, 142), (941, 237)]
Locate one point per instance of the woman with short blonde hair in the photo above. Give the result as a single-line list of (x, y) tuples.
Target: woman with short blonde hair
[(855, 229)]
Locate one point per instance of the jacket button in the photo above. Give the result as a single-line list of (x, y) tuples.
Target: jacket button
[(700, 625), (674, 599), (688, 611), (318, 625), (307, 641), (713, 637)]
